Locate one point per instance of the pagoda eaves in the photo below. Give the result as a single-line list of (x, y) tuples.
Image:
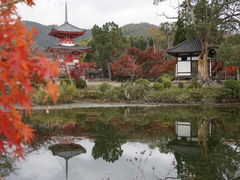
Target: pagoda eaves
[(66, 29), (68, 49)]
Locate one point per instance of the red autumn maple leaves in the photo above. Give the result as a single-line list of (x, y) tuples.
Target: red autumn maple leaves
[(126, 66), (146, 64), (20, 68), (81, 69)]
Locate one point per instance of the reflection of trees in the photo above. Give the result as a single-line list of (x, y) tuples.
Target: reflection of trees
[(215, 161), (162, 145), (218, 163), (107, 141), (6, 166)]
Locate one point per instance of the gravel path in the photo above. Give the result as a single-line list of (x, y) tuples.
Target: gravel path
[(103, 105)]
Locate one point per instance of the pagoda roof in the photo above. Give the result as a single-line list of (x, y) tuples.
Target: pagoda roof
[(187, 46), (69, 48), (66, 27)]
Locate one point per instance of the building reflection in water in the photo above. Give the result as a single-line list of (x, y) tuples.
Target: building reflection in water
[(201, 151)]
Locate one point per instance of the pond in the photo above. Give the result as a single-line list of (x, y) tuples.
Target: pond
[(144, 143)]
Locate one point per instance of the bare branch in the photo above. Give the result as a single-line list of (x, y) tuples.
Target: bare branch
[(163, 14), (191, 10), (156, 2)]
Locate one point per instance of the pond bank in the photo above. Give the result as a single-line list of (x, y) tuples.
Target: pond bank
[(116, 105)]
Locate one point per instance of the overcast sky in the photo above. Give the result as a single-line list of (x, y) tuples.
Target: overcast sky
[(86, 13)]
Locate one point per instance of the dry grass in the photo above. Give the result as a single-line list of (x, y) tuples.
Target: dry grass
[(92, 85)]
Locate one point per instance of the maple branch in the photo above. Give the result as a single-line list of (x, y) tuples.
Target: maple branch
[(10, 3)]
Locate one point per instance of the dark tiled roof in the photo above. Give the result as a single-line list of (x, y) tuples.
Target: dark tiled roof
[(188, 46), (66, 27), (70, 47)]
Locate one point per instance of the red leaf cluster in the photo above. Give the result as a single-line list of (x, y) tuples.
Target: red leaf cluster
[(81, 69), (231, 70), (219, 67), (20, 68), (147, 64), (125, 66)]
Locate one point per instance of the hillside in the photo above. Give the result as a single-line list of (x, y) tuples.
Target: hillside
[(137, 29), (43, 41)]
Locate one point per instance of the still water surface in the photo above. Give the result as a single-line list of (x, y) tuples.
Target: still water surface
[(131, 144)]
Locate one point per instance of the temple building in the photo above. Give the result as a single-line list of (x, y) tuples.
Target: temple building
[(66, 51), (187, 54)]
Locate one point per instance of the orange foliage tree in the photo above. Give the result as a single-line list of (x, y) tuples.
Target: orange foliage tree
[(147, 63), (82, 69), (20, 68), (126, 66)]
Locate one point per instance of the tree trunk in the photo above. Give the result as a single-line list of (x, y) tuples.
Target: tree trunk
[(238, 74), (109, 71), (154, 46), (168, 41), (147, 43), (132, 77), (203, 64)]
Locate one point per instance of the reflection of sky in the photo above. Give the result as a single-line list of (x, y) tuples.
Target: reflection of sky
[(42, 165)]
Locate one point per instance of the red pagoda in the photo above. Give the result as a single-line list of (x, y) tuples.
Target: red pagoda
[(65, 51)]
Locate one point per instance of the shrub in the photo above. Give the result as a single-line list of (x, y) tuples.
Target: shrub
[(165, 77), (195, 84), (63, 75), (230, 91), (134, 92), (142, 82), (67, 81), (125, 84), (157, 86), (80, 83), (90, 94), (40, 97), (104, 86), (114, 94), (167, 84), (170, 95), (67, 93), (233, 86), (159, 79), (196, 96), (180, 85)]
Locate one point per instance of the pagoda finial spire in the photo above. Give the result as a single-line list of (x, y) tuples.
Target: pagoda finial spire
[(66, 15)]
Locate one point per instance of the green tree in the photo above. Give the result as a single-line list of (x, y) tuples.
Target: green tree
[(108, 141), (108, 43), (208, 20), (84, 42), (168, 30), (229, 52), (180, 34), (139, 42)]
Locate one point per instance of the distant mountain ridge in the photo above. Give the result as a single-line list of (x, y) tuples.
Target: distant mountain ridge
[(43, 40), (140, 29)]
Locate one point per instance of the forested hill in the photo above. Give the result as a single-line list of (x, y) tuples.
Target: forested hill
[(42, 40), (137, 29)]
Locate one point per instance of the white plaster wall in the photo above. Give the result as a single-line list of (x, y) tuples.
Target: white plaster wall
[(184, 67), (195, 58), (183, 129)]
